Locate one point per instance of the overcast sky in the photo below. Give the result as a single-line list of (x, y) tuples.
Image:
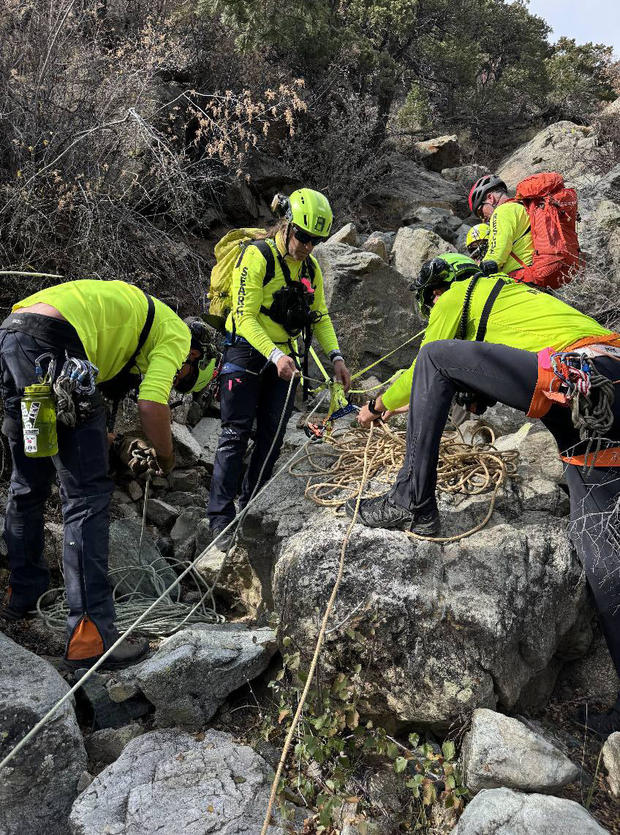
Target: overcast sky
[(584, 20)]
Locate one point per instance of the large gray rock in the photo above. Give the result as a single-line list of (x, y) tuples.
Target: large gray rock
[(193, 672), (593, 675), (506, 812), (171, 781), (412, 247), (126, 555), (407, 186), (440, 152), (187, 449), (106, 745), (442, 222), (499, 751), (370, 306), (207, 433), (38, 787), (474, 621), (465, 175), (611, 761), (563, 147), (347, 234)]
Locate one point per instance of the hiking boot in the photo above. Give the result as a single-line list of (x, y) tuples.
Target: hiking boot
[(129, 652), (600, 724), (382, 512), (14, 614), (225, 539)]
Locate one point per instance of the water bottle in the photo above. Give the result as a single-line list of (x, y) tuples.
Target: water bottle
[(39, 421)]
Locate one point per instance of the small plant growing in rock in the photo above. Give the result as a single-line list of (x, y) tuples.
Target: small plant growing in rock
[(337, 752)]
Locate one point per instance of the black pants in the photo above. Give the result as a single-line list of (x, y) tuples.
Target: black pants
[(250, 390), (509, 375), (81, 467)]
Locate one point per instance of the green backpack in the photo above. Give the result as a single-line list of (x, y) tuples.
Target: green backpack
[(227, 251)]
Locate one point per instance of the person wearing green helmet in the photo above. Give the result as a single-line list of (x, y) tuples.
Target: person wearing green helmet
[(477, 241), (277, 295), (492, 339)]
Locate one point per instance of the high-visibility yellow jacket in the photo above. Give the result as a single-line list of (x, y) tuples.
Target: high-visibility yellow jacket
[(108, 317), (510, 233), (248, 294), (521, 317)]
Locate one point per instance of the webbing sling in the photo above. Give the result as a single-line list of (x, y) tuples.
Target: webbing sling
[(486, 311)]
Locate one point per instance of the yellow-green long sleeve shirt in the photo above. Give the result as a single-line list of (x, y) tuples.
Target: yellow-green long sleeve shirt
[(108, 317), (248, 294), (522, 317), (510, 232)]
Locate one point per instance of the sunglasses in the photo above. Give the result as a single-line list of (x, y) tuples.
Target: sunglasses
[(305, 237)]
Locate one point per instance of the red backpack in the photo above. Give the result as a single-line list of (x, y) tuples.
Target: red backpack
[(552, 209)]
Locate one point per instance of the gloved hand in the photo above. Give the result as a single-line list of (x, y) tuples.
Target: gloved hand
[(137, 456), (489, 267)]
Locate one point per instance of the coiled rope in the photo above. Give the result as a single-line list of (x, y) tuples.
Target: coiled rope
[(463, 468)]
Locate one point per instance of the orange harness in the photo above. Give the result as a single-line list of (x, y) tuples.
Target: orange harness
[(546, 392)]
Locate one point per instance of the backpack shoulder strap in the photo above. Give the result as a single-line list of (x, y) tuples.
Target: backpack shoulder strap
[(265, 250), (146, 329), (486, 311), (462, 331), (310, 268)]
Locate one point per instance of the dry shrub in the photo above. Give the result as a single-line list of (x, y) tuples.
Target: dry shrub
[(112, 153)]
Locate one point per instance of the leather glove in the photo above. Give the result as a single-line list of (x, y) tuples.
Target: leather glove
[(137, 456), (489, 267)]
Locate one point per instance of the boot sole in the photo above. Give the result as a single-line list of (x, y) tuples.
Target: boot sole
[(426, 529), (108, 664)]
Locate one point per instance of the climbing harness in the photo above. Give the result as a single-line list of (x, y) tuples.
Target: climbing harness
[(590, 396)]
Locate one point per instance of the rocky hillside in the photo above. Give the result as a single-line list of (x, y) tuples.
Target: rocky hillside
[(439, 698)]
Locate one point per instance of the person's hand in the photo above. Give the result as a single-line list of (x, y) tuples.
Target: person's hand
[(342, 374), (286, 368), (137, 456), (365, 417)]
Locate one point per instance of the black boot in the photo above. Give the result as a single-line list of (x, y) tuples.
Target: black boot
[(382, 512), (601, 724)]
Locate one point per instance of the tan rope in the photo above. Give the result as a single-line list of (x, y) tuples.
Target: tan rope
[(366, 468), (462, 468)]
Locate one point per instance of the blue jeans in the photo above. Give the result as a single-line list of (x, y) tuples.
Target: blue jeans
[(81, 467)]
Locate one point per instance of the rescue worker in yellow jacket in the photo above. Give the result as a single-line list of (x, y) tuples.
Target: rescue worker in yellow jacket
[(510, 245), (103, 330), (277, 295), (492, 339)]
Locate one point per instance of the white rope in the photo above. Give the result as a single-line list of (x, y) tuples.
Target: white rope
[(33, 731)]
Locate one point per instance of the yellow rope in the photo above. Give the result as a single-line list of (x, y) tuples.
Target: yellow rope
[(462, 468), (366, 467)]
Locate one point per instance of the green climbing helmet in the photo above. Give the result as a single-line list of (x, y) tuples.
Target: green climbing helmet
[(310, 210), (442, 270)]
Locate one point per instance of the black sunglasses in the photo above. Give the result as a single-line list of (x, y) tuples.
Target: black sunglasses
[(305, 237)]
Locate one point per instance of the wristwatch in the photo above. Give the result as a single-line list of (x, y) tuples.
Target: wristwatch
[(371, 407)]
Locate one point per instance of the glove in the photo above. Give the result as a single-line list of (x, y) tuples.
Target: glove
[(489, 267), (137, 456)]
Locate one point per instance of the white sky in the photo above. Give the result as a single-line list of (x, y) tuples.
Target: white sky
[(584, 20)]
